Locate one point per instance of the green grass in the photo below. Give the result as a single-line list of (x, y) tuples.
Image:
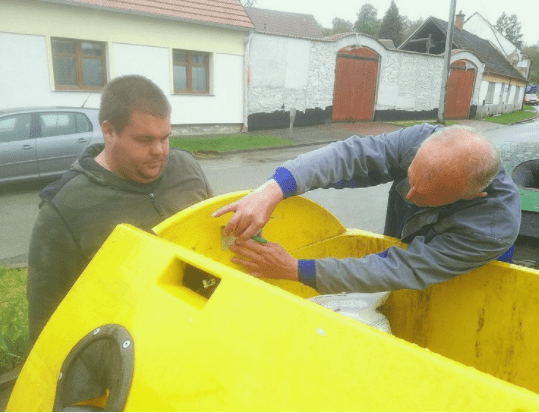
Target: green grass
[(13, 318), (511, 117), (405, 124), (228, 143), (527, 107)]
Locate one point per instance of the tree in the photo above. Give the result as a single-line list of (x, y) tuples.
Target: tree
[(409, 26), (339, 25), (391, 27), (510, 27), (248, 3), (367, 20), (533, 53)]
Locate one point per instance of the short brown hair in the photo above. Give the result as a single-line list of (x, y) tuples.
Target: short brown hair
[(126, 94)]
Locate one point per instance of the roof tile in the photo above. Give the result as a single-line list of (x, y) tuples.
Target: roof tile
[(220, 12), (494, 61), (284, 23)]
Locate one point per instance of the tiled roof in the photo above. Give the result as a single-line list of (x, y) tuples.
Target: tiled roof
[(213, 12), (284, 23), (388, 43), (494, 61)]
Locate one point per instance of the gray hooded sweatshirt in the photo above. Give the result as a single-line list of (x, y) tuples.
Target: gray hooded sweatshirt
[(79, 211)]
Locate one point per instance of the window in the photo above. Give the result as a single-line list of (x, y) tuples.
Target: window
[(501, 93), (15, 128), (78, 64), (490, 93), (191, 72), (63, 123)]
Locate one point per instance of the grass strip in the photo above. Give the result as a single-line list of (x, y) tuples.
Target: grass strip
[(13, 302), (13, 318), (228, 143), (512, 117)]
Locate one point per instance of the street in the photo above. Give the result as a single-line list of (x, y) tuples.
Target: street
[(363, 209)]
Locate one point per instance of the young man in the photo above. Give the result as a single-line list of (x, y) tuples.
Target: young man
[(133, 178), (451, 201)]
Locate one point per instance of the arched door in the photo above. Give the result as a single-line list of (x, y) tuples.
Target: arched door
[(356, 78), (460, 90)]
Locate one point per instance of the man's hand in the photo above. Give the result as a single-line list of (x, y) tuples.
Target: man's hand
[(252, 211), (265, 260)]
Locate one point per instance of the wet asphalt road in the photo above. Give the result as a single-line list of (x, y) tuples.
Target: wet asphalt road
[(364, 209)]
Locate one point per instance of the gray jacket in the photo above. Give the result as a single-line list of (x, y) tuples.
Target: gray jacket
[(79, 211), (443, 241)]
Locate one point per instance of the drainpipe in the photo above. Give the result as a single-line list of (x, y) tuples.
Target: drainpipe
[(246, 80)]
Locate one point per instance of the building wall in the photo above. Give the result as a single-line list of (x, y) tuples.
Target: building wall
[(135, 45), (501, 102), (300, 73)]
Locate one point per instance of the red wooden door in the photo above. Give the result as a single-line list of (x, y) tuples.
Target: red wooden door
[(355, 84), (459, 91)]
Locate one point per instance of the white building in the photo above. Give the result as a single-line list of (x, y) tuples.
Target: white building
[(62, 52)]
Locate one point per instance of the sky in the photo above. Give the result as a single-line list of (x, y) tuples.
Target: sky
[(324, 11)]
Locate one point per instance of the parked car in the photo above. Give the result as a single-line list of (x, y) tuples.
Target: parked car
[(531, 99), (43, 142)]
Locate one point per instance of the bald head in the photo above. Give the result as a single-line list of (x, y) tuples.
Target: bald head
[(453, 163)]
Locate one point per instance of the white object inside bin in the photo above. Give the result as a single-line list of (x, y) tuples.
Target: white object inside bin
[(363, 307)]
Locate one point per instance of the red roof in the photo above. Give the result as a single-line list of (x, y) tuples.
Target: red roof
[(284, 23), (213, 12)]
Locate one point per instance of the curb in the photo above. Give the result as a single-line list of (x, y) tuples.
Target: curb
[(216, 154)]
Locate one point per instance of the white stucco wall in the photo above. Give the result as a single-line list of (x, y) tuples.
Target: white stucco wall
[(223, 105), (279, 73), (26, 81), (151, 62), (407, 81)]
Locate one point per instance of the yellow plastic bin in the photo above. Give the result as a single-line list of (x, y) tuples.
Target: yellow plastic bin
[(167, 322)]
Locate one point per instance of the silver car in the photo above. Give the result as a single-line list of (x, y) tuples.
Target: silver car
[(40, 143)]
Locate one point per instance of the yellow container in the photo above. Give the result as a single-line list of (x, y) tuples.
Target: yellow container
[(167, 322)]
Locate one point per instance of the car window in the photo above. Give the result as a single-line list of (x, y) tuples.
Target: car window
[(15, 128), (83, 123), (57, 123)]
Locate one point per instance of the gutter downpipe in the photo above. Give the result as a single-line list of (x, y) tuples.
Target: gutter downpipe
[(246, 80)]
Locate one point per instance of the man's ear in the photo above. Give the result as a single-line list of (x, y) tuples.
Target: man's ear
[(108, 131)]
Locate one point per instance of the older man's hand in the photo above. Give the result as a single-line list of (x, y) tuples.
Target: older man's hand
[(268, 260), (251, 212)]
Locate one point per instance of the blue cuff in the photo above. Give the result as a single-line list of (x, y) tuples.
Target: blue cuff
[(507, 256), (307, 273), (286, 181), (383, 254)]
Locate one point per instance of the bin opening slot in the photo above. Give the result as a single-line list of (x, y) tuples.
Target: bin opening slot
[(200, 281)]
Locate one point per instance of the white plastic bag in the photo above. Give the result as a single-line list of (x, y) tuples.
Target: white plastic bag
[(363, 307)]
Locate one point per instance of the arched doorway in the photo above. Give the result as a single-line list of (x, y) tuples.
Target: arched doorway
[(460, 90), (356, 77)]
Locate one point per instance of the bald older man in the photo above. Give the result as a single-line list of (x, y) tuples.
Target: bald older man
[(451, 201)]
